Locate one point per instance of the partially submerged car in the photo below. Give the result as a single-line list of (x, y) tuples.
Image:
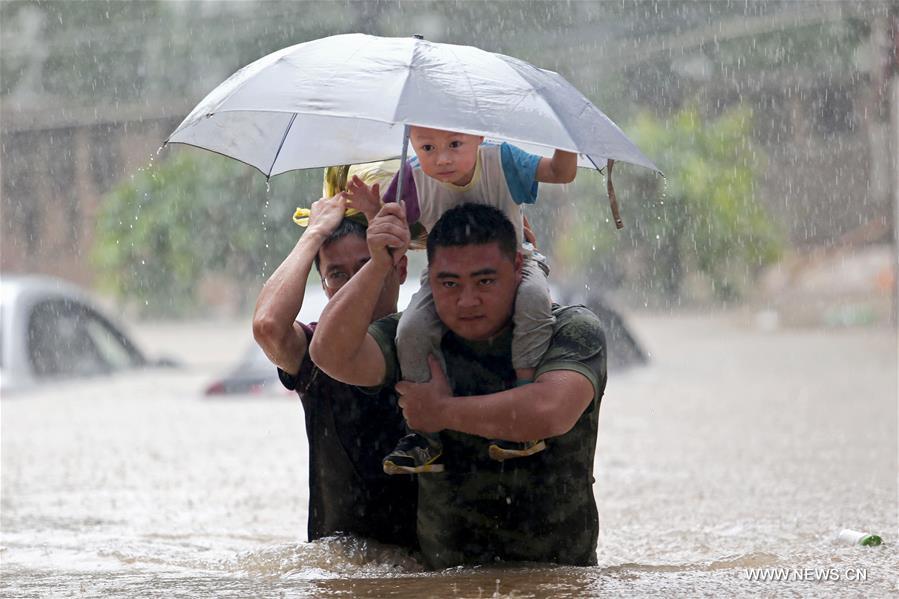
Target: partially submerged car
[(254, 374), (51, 330)]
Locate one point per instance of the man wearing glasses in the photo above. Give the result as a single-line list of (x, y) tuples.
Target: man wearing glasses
[(348, 430)]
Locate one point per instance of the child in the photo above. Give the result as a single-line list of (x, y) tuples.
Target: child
[(454, 168)]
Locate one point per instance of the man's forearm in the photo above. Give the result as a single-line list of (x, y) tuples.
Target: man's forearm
[(548, 407), (280, 301), (340, 346)]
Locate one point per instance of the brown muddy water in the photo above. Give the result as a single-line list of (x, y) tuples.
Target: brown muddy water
[(738, 453)]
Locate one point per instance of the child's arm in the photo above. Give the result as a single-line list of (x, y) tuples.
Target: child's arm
[(561, 168), (528, 231), (363, 198)]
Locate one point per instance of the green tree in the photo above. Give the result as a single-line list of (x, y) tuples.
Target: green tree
[(195, 214), (702, 217)]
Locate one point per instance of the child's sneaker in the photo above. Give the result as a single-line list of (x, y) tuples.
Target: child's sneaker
[(506, 450), (413, 455)]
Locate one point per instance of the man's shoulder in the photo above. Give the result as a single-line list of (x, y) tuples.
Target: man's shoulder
[(387, 323), (577, 336), (383, 331), (578, 344), (577, 321)]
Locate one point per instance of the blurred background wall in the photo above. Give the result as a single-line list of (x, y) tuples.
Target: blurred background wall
[(794, 94)]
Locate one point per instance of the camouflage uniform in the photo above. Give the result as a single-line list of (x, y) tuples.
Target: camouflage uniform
[(540, 508)]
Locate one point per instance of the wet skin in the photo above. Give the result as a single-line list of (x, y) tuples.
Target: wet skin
[(341, 259), (474, 288), (445, 155)]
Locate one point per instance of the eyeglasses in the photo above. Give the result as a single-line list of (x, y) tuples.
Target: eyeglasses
[(336, 279)]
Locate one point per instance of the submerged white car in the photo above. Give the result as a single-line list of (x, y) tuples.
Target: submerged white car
[(51, 330)]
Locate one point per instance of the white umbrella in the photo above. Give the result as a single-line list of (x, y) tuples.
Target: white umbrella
[(349, 98)]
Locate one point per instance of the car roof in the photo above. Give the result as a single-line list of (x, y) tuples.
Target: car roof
[(13, 286), (19, 294)]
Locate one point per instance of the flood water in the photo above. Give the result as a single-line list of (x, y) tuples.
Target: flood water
[(737, 448)]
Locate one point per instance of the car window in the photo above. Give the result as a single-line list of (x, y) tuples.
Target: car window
[(68, 338)]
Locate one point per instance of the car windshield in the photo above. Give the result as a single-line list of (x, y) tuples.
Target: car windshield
[(68, 338)]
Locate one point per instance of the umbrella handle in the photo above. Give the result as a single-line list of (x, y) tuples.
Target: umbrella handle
[(613, 201), (402, 174)]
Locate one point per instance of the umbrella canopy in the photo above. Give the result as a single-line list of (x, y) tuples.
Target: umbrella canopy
[(345, 99)]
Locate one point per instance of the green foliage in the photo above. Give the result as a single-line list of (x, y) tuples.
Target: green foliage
[(702, 218), (192, 216)]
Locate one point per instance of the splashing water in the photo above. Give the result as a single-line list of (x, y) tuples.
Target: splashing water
[(139, 486)]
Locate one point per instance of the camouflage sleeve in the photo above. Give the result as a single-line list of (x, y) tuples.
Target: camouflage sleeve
[(578, 344), (383, 331)]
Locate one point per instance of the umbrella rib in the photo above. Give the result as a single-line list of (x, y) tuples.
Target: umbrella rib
[(228, 156), (293, 117), (561, 121), (474, 96), (405, 84), (349, 59), (240, 85), (568, 132)]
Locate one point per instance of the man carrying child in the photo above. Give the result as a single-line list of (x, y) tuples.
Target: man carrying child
[(480, 510), (449, 169)]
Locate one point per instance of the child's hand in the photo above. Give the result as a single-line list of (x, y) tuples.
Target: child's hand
[(529, 232), (363, 198)]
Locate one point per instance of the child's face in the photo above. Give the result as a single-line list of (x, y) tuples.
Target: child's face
[(445, 155)]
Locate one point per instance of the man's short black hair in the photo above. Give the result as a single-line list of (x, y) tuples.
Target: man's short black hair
[(349, 226), (473, 224)]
